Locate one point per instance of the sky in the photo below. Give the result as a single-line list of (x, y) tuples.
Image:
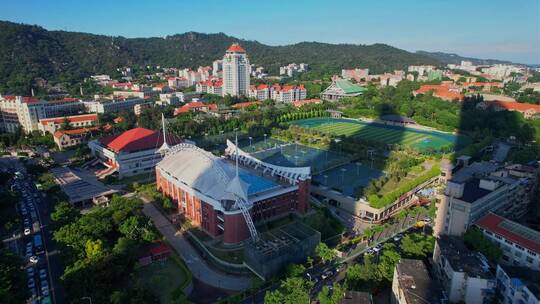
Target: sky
[(497, 29)]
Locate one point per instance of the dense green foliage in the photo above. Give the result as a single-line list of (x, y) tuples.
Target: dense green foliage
[(31, 55), (456, 59), (98, 249), (292, 290), (12, 278), (476, 240), (417, 245)]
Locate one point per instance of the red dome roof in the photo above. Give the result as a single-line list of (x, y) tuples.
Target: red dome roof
[(236, 48)]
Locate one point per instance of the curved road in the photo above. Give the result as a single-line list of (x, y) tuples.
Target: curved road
[(198, 267)]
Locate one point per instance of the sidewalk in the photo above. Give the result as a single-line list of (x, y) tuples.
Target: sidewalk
[(198, 267)]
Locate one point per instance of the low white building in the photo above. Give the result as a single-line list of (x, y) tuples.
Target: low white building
[(518, 285), (112, 105), (25, 112), (463, 274), (520, 244), (133, 152), (50, 125)]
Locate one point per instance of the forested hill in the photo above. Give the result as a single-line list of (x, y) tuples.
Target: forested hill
[(456, 59), (29, 54)]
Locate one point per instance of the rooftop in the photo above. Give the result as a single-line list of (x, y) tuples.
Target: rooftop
[(236, 48), (517, 233), (349, 87), (416, 283), (137, 139), (524, 276), (75, 118), (462, 259)]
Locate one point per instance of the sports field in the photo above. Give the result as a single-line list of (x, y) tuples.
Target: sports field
[(387, 134)]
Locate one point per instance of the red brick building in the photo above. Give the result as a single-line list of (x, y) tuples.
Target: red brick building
[(201, 186)]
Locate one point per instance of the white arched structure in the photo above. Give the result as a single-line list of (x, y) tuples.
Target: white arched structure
[(292, 174)]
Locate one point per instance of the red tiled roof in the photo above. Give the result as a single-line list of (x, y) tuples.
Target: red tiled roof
[(59, 134), (77, 118), (514, 106), (444, 91), (196, 105), (492, 223), (235, 47), (246, 104), (25, 99), (137, 139)]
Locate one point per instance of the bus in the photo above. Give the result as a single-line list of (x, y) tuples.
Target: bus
[(38, 244)]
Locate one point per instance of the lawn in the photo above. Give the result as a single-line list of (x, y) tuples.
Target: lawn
[(376, 132), (324, 222), (162, 278)]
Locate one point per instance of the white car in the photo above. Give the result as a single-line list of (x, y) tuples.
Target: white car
[(376, 249), (27, 231), (34, 259)]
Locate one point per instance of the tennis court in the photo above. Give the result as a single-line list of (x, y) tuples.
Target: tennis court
[(387, 134), (348, 178)]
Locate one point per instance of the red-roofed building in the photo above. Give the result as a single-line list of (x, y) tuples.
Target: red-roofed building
[(211, 86), (236, 48), (25, 112), (445, 91), (286, 93), (50, 125), (243, 105), (520, 244), (132, 152), (485, 86), (70, 138), (196, 106), (529, 110)]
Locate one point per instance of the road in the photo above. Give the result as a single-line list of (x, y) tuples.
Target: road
[(196, 264), (49, 259)]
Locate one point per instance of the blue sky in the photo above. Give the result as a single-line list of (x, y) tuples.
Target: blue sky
[(487, 29)]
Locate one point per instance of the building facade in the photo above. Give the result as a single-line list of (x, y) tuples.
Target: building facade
[(50, 125), (70, 138), (236, 71), (463, 274), (201, 185), (520, 244), (25, 112), (133, 152), (474, 190), (517, 285), (112, 106)]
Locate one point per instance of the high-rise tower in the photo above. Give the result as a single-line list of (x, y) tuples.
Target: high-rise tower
[(236, 70)]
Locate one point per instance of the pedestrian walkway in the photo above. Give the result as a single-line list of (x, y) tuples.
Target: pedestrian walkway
[(198, 267)]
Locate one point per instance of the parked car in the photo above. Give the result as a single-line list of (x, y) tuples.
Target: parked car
[(27, 231), (34, 259), (43, 274), (31, 283)]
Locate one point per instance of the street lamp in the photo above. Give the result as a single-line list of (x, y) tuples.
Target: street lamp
[(265, 139), (325, 180), (358, 168), (250, 138)]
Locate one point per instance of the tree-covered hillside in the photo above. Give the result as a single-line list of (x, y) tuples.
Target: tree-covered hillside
[(31, 55)]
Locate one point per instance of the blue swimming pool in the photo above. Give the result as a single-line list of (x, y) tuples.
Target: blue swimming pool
[(256, 183)]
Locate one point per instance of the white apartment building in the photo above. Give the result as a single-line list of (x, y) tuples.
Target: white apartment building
[(177, 82), (214, 86), (25, 112), (50, 125), (217, 66), (285, 94), (421, 69), (356, 74), (520, 244), (293, 68), (112, 105), (517, 285), (174, 99), (236, 71), (474, 190), (463, 274), (501, 71)]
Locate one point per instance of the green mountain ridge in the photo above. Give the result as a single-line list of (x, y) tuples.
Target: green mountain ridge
[(456, 59), (31, 56)]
